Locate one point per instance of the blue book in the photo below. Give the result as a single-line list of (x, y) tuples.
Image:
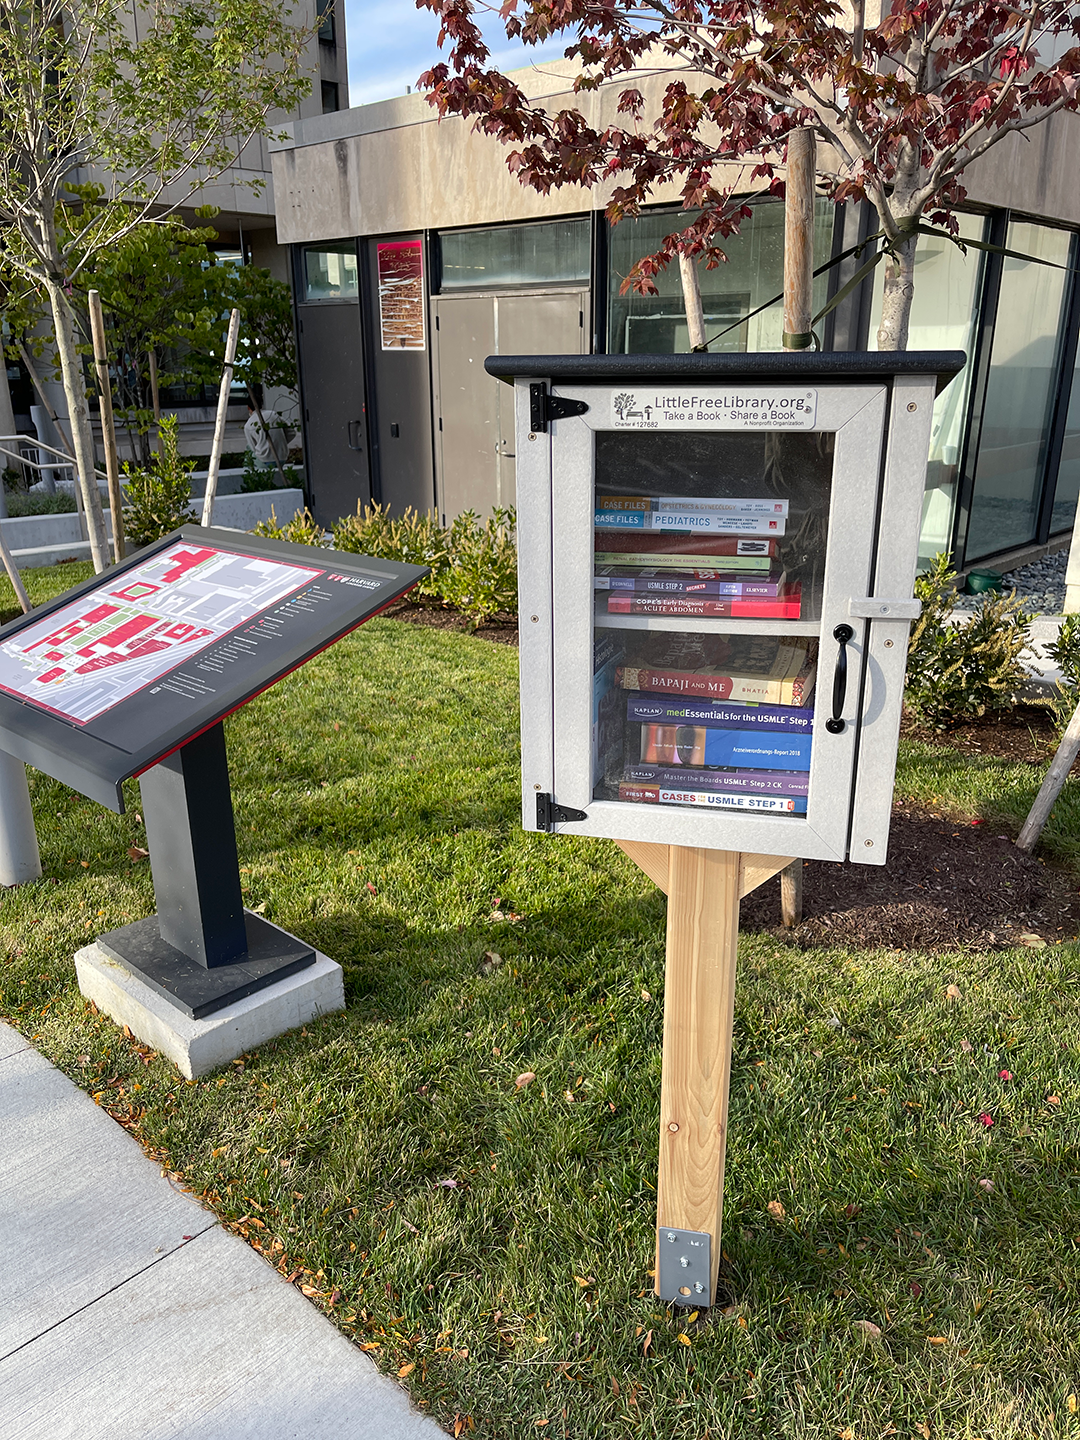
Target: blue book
[(719, 714), (697, 747)]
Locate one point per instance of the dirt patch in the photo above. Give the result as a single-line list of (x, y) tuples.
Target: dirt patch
[(1024, 733), (501, 629), (946, 885)]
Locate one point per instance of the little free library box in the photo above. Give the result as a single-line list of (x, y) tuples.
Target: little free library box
[(131, 674), (716, 560)]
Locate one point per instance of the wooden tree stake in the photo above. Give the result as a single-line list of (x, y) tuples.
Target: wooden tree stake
[(691, 289), (799, 240), (108, 428), (1050, 789), (791, 895), (219, 423)]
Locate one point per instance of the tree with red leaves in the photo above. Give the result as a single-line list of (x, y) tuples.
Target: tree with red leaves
[(903, 106)]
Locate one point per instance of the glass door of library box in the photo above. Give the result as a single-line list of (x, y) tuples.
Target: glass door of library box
[(706, 672)]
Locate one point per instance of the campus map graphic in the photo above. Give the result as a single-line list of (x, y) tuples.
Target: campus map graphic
[(88, 656)]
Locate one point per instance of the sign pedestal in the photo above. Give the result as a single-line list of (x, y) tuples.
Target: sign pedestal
[(704, 888), (19, 857), (202, 950)]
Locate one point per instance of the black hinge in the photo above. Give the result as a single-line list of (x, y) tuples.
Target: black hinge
[(548, 814), (544, 407)]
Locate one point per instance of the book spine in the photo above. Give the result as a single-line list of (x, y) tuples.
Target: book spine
[(744, 689), (764, 782), (688, 585), (695, 746), (748, 564), (647, 710), (628, 542), (692, 505), (624, 604), (689, 521), (664, 795)]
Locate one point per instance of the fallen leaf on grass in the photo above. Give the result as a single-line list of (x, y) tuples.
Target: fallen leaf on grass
[(646, 1344), (938, 1339), (953, 993), (541, 1423), (1032, 941), (869, 1329), (776, 1210), (523, 1080), (1053, 1099), (924, 1429), (459, 1425), (916, 1289), (590, 1281), (986, 1119), (448, 1184), (1006, 1075), (371, 1345), (987, 1184), (371, 887), (692, 1317), (407, 1369), (965, 1046), (846, 1434), (136, 853), (1072, 1404), (684, 1339)]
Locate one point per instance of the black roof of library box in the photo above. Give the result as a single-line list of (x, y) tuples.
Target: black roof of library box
[(802, 365)]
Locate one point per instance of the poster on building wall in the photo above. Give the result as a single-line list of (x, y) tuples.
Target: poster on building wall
[(401, 294)]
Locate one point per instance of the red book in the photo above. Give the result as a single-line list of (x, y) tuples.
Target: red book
[(788, 606), (648, 542)]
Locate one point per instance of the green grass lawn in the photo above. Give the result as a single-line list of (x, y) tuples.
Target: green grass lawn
[(492, 1244)]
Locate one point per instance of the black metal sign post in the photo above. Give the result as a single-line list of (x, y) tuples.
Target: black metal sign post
[(131, 675)]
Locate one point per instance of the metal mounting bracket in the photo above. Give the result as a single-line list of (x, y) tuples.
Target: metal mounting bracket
[(543, 407), (548, 814), (875, 609), (684, 1268)]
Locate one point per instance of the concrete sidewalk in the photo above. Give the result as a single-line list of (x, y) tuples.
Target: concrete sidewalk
[(125, 1309)]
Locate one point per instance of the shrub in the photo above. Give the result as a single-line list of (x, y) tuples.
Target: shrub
[(481, 577), (300, 530), (257, 479), (411, 538), (959, 670), (1065, 653), (23, 504), (157, 498)]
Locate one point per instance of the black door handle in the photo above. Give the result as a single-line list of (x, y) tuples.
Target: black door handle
[(354, 435), (835, 724)]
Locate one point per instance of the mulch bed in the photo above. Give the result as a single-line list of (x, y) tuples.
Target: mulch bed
[(501, 629), (947, 884), (1024, 733)]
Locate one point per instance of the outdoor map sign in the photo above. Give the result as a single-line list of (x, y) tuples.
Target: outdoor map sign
[(103, 682), (132, 674)]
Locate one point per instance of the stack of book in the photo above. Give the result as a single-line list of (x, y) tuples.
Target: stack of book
[(721, 721), (659, 555)]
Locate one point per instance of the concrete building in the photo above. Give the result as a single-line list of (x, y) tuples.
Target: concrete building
[(415, 254), (246, 234)]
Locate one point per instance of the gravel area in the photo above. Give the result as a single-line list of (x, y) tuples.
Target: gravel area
[(1040, 586)]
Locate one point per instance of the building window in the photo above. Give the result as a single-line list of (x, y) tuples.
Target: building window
[(754, 272), (944, 313), (1019, 393), (330, 273), (553, 254), (329, 97), (1068, 478), (325, 11)]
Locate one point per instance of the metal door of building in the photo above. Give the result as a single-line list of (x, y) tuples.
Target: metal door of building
[(475, 426), (332, 366)]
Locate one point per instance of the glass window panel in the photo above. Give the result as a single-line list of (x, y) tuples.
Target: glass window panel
[(1068, 478), (691, 529), (944, 311), (555, 253), (1019, 393), (752, 274), (330, 272)]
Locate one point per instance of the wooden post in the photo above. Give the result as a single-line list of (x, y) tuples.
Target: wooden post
[(155, 397), (699, 1005), (1051, 787), (15, 578), (108, 428), (791, 895), (799, 240), (219, 423)]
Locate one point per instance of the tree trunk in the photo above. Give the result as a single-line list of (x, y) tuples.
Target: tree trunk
[(695, 317), (79, 418), (896, 302)]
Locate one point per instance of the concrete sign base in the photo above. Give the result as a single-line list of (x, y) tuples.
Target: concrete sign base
[(198, 1046)]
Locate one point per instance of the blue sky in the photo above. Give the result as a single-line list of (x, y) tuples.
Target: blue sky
[(391, 43)]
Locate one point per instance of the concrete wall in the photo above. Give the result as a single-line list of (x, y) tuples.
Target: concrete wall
[(394, 166)]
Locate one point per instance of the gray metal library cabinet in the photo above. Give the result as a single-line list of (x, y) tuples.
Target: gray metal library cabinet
[(716, 562)]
